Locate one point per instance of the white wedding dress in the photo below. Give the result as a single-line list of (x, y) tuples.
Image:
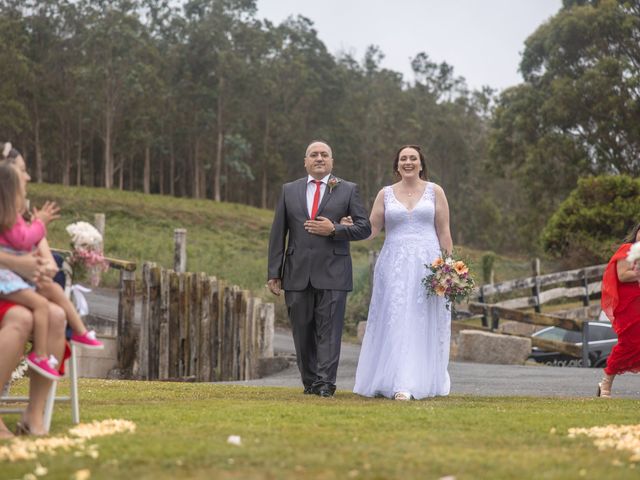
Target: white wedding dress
[(406, 344)]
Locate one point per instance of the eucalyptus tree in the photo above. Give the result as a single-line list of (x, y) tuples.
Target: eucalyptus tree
[(15, 74)]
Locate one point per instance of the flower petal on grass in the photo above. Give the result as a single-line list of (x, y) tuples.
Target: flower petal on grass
[(616, 437)]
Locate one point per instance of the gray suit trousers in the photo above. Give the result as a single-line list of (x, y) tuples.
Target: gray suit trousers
[(317, 318)]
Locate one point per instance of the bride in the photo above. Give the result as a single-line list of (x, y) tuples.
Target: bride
[(405, 351)]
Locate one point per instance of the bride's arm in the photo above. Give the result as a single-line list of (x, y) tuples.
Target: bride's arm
[(376, 219), (442, 220), (377, 215)]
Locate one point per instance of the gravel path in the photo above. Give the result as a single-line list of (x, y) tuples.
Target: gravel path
[(473, 378)]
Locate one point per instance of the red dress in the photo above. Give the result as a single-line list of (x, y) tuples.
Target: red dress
[(621, 303)]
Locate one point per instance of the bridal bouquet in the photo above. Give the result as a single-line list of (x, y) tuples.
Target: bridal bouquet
[(87, 254), (448, 278)]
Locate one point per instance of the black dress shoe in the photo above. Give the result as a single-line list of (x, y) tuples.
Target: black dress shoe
[(325, 392), (309, 391)]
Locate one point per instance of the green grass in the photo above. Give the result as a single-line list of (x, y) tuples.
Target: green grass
[(182, 431)]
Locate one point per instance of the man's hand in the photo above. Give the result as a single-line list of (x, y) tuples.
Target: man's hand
[(275, 286), (320, 226), (348, 221)]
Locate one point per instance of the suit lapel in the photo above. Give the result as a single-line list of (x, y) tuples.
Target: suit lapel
[(326, 197), (302, 193)]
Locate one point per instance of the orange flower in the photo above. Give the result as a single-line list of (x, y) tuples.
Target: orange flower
[(440, 290), (438, 262), (460, 267)]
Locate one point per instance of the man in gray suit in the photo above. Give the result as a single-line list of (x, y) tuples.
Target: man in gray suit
[(313, 265)]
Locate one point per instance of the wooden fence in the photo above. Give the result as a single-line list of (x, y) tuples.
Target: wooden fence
[(196, 327), (580, 283), (541, 289)]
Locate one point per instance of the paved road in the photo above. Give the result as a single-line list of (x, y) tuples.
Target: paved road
[(466, 378)]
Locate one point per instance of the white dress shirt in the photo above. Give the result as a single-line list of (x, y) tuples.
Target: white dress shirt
[(311, 191)]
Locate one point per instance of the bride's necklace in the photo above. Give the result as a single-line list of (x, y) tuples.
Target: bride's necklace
[(410, 193)]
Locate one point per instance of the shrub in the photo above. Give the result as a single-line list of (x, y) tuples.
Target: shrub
[(593, 220)]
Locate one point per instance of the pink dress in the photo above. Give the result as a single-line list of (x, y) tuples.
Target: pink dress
[(20, 239)]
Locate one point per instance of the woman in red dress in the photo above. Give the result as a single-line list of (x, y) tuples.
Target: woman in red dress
[(621, 304)]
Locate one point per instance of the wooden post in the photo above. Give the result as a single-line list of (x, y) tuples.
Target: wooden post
[(99, 222), (535, 290), (585, 283), (243, 327), (585, 344), (195, 301), (126, 312), (174, 324), (215, 309), (143, 347), (184, 294), (481, 299), (163, 343), (155, 301), (266, 326), (180, 250), (204, 348), (227, 344), (253, 349)]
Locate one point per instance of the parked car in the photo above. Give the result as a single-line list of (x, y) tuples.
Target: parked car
[(602, 338)]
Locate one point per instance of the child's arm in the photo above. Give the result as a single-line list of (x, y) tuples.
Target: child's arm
[(50, 265), (23, 236)]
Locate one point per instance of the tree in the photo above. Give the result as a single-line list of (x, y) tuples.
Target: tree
[(593, 220), (577, 111)]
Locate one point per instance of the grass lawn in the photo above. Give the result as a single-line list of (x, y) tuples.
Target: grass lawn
[(182, 432)]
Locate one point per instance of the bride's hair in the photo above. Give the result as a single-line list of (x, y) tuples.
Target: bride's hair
[(423, 163)]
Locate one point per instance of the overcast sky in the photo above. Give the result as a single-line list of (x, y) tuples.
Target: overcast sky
[(482, 39)]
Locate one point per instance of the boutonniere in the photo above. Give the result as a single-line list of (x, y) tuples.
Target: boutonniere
[(333, 183)]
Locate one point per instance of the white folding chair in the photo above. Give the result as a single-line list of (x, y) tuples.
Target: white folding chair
[(72, 373)]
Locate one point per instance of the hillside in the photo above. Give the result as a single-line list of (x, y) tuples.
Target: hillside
[(223, 239)]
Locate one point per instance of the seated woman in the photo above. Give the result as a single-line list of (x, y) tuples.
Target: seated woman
[(16, 325)]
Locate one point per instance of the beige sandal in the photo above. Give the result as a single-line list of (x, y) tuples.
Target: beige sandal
[(403, 396), (604, 387)]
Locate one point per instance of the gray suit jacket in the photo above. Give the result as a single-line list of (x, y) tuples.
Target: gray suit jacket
[(325, 262)]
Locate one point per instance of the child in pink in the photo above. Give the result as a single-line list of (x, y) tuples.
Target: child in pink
[(19, 237)]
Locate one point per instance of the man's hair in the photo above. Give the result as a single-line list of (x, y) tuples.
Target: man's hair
[(306, 152)]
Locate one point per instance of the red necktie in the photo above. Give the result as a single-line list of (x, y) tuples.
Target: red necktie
[(316, 199)]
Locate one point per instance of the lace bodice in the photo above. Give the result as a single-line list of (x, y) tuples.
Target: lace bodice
[(409, 226)]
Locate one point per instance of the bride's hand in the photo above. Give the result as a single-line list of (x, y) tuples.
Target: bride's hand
[(348, 221)]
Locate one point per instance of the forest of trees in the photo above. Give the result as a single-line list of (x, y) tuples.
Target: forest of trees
[(200, 98)]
